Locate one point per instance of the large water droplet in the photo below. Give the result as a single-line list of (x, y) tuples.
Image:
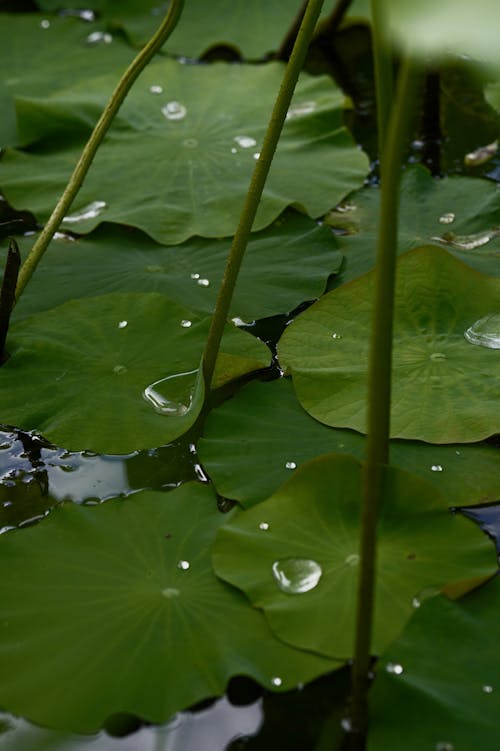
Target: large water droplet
[(99, 37), (296, 575), (90, 211), (246, 142), (299, 110), (173, 395), (485, 331), (447, 218), (481, 155), (174, 111), (468, 242)]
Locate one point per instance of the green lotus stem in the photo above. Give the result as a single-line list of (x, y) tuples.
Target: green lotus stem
[(382, 63), (83, 165), (379, 388), (332, 22), (256, 188)]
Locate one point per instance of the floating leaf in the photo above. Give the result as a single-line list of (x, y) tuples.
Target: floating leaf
[(283, 266), (447, 673), (279, 434), (115, 608), (445, 390), (78, 373), (457, 213), (29, 45), (178, 164), (310, 526)]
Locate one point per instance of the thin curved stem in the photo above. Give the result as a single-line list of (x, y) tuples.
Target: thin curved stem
[(256, 188), (82, 167), (379, 389)]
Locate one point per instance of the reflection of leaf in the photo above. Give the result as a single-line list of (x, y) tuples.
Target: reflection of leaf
[(430, 211), (77, 373), (122, 626), (315, 516), (175, 177), (444, 389), (446, 695), (283, 266), (464, 474)]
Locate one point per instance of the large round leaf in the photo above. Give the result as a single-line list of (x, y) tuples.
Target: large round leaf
[(78, 373), (437, 686), (311, 525), (178, 164), (283, 266), (115, 608), (461, 214), (280, 436), (445, 389)]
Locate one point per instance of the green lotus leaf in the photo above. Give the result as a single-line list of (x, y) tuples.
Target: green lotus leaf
[(461, 214), (28, 49), (283, 266), (445, 389), (280, 436), (310, 527), (437, 685), (451, 26), (79, 372), (178, 164), (132, 618)]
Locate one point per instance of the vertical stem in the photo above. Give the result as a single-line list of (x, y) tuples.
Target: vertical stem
[(256, 188), (83, 165), (382, 62), (379, 389), (12, 264)]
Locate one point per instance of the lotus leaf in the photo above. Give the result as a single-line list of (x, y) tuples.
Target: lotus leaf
[(314, 518), (445, 389)]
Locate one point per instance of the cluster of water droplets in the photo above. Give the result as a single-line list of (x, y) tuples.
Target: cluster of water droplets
[(201, 281)]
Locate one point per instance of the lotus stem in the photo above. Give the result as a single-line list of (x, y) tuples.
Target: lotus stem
[(83, 165)]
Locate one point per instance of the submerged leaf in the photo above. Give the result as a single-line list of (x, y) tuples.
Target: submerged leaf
[(448, 668), (445, 390), (296, 555), (91, 374), (178, 163), (115, 608)]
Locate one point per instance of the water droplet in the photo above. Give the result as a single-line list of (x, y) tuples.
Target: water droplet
[(485, 331), (90, 211), (468, 242), (481, 155), (122, 324), (170, 592), (186, 324), (336, 336), (190, 143), (256, 155), (437, 357), (345, 207), (174, 111), (63, 236), (99, 37), (172, 396), (156, 89), (488, 689), (346, 724), (6, 504), (119, 369), (352, 560), (416, 602), (233, 150), (436, 468), (204, 282), (296, 575), (299, 110), (264, 526), (85, 15), (394, 668), (277, 681), (239, 321), (290, 465), (458, 453), (45, 23), (447, 218), (444, 746), (195, 276), (245, 142), (183, 565)]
